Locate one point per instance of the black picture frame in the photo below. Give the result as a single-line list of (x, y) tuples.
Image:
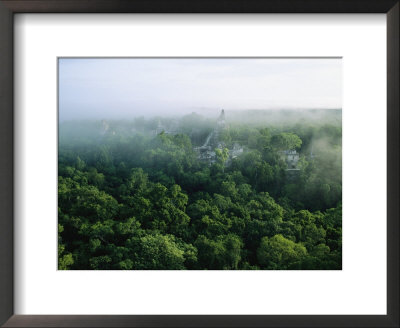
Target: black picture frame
[(7, 10)]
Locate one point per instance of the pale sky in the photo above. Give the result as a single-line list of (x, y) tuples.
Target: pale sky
[(131, 87)]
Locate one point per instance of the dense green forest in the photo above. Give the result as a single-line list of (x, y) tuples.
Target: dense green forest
[(136, 194)]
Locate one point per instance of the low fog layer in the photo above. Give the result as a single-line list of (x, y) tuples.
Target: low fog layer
[(128, 88)]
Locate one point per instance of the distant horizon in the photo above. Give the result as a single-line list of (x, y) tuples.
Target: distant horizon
[(132, 87), (207, 113)]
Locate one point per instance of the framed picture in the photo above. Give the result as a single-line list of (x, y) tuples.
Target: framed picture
[(199, 164)]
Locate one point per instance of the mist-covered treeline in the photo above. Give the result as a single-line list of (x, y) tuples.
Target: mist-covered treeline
[(132, 197)]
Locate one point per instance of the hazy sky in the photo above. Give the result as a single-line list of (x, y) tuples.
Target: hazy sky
[(124, 88)]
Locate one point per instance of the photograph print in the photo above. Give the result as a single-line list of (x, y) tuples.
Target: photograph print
[(199, 163)]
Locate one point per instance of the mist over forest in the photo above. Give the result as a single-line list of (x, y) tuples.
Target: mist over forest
[(210, 189)]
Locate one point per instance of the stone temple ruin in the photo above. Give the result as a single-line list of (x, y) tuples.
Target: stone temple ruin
[(207, 150), (291, 158)]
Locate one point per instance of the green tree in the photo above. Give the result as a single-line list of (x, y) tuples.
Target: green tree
[(286, 141), (157, 252), (222, 253), (222, 157), (279, 253)]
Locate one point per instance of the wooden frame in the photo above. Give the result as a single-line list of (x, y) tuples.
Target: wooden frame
[(7, 10)]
